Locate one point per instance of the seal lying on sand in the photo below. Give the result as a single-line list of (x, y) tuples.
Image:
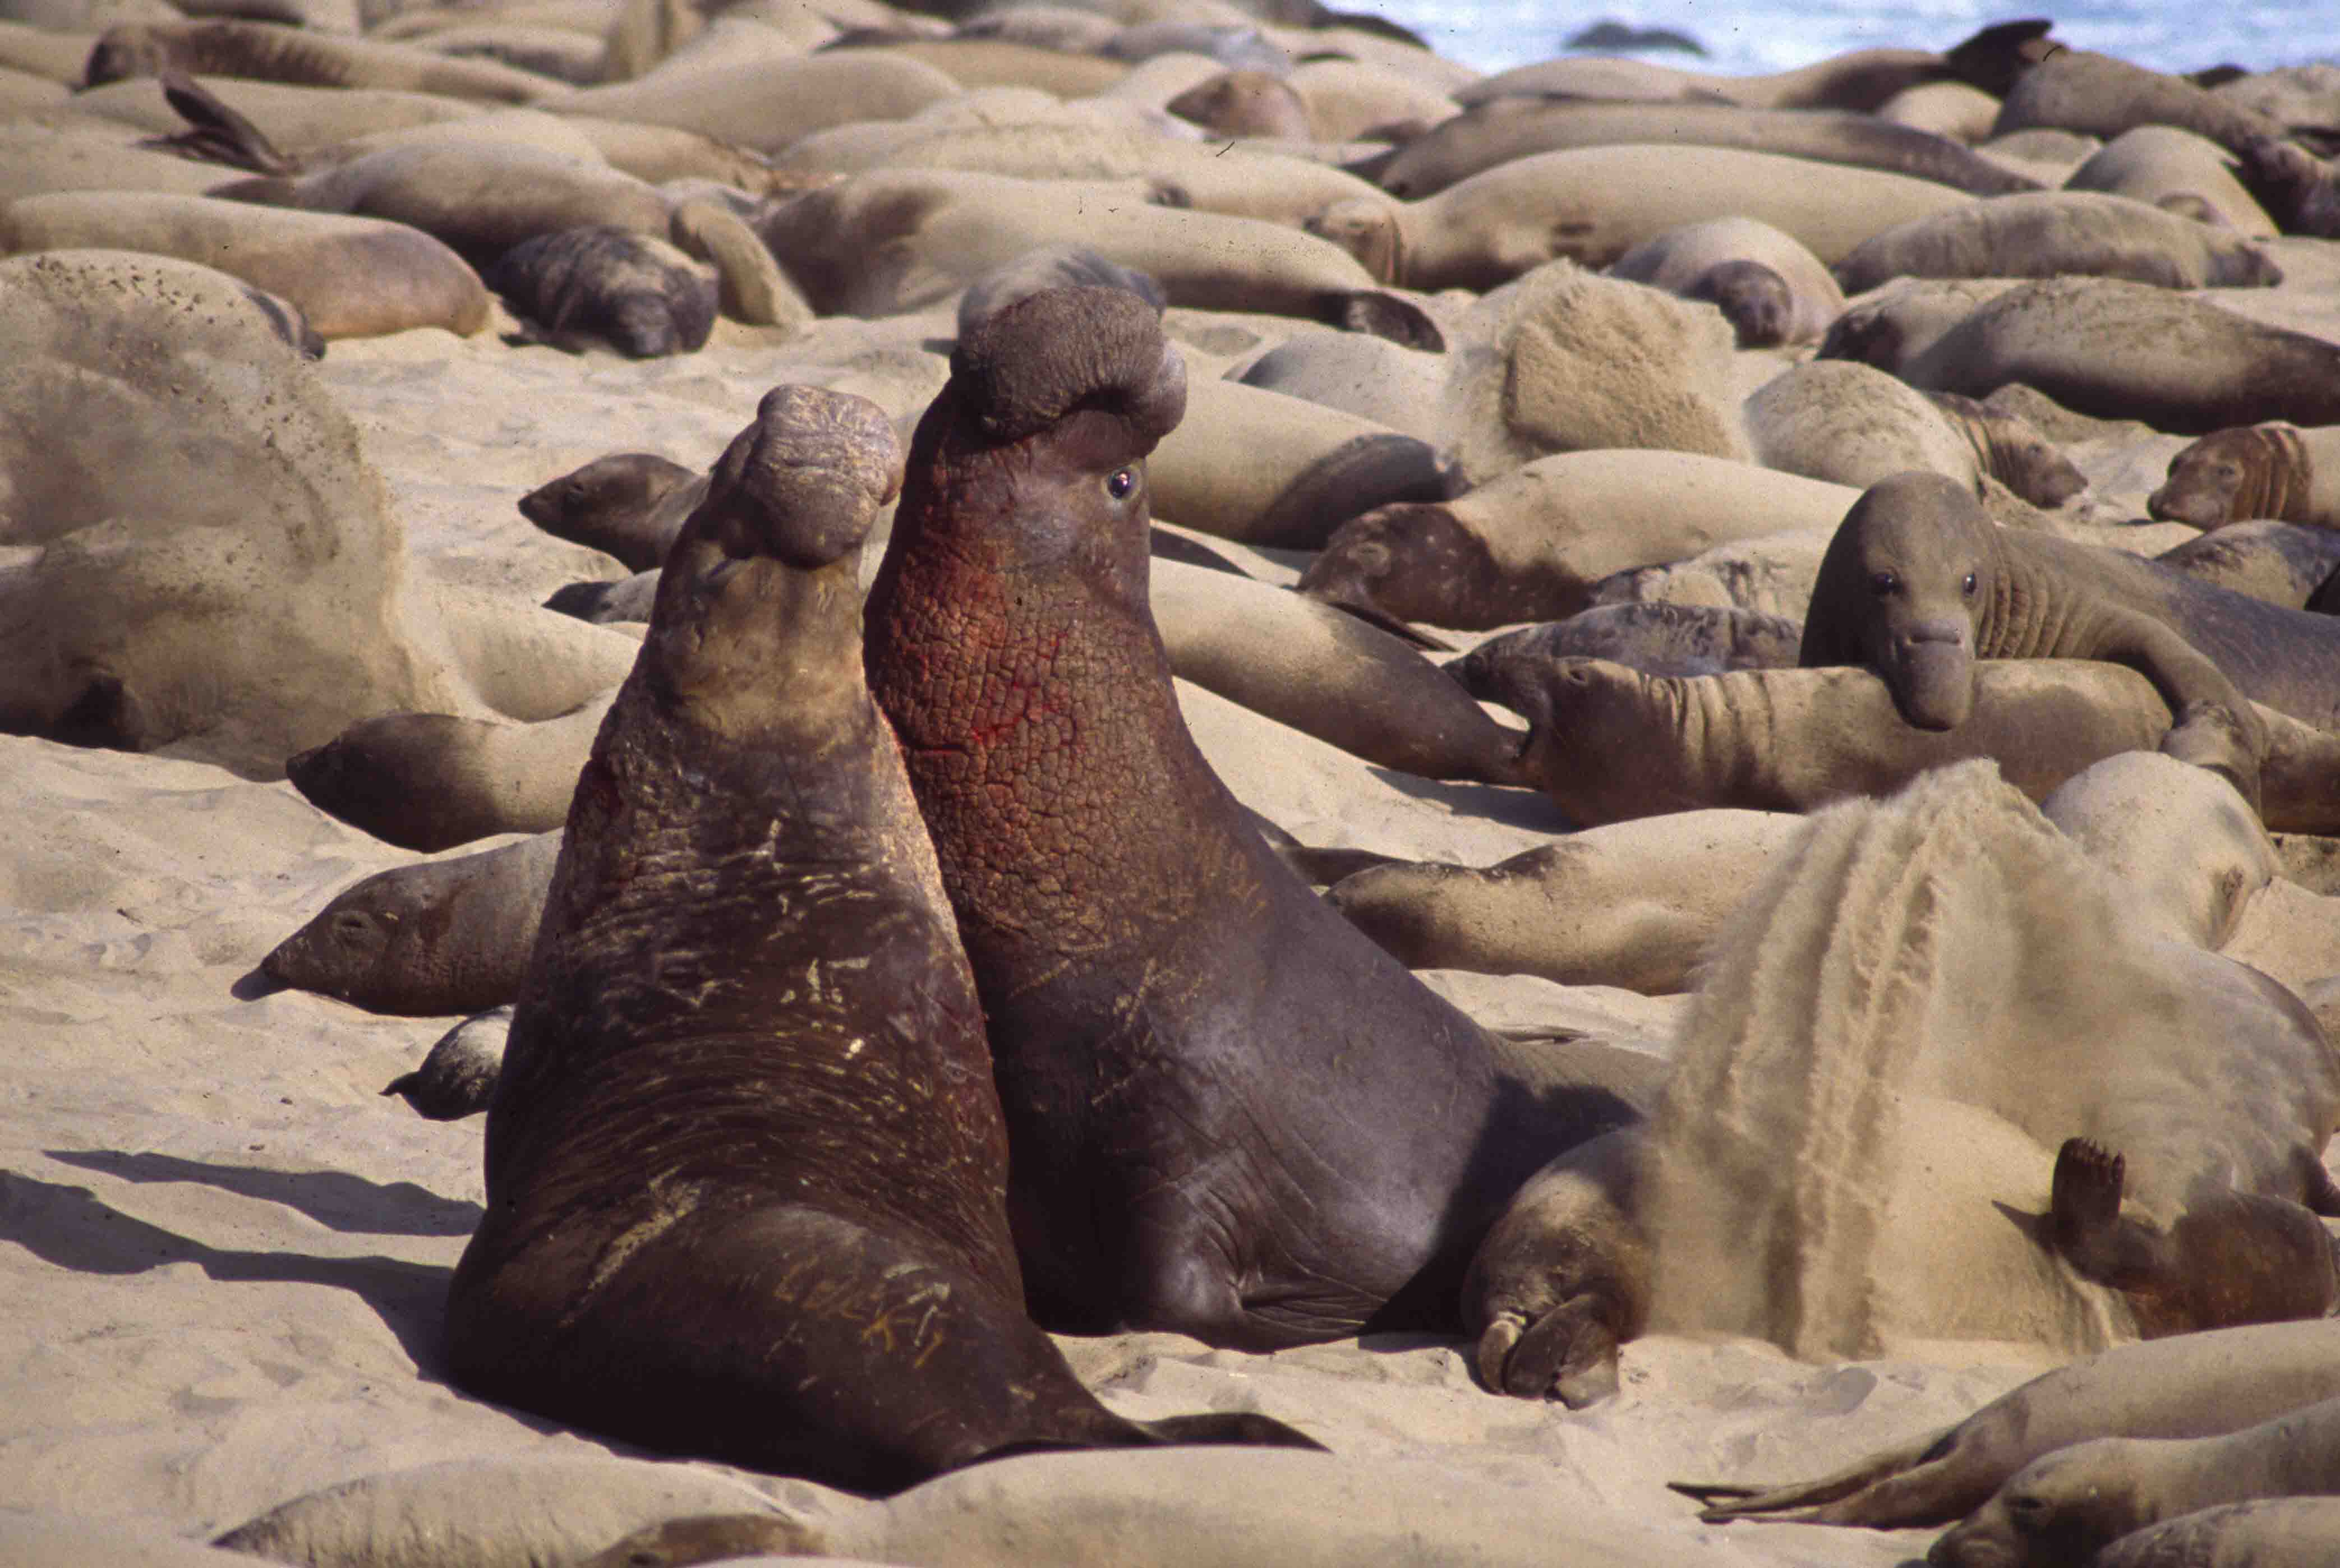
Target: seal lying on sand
[(1213, 1082), (1919, 584), (2274, 470), (745, 1167), (2194, 1385), (2076, 1501)]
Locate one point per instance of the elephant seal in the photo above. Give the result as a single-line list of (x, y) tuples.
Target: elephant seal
[(2051, 234), (1919, 584), (2041, 82), (1501, 130), (1629, 904), (351, 277), (446, 936), (637, 293), (2116, 350), (746, 981), (1159, 984), (1658, 638), (2283, 563), (1859, 80), (2069, 1504), (1246, 103), (628, 505), (1530, 545), (2191, 1385), (1770, 289), (2272, 1533), (458, 1078), (2160, 163), (1609, 744), (1593, 204), (267, 52), (2275, 470), (1851, 424)]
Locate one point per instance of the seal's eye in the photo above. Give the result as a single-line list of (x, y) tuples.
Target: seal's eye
[(1884, 584), (1120, 482), (1968, 586)]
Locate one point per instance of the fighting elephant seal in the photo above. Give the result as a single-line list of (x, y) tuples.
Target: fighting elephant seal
[(2075, 1501), (2192, 1386), (801, 1260), (2276, 469), (1127, 925)]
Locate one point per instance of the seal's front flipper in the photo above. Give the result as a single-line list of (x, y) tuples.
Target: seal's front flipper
[(2085, 1223)]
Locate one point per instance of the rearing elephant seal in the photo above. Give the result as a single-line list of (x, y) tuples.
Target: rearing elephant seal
[(746, 1168), (1215, 1086), (1919, 584)]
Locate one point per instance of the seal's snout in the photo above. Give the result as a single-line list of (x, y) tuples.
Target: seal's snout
[(804, 481), (1933, 666), (1062, 350)]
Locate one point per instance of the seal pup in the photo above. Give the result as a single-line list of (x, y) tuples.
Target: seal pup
[(445, 936), (746, 1169), (1212, 1081), (2193, 1385), (627, 504), (634, 292), (2275, 470), (2067, 1505), (1769, 288), (458, 1078), (1919, 584)]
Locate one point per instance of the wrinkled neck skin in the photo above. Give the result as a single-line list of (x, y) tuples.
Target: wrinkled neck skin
[(742, 887), (1891, 595), (1010, 643)]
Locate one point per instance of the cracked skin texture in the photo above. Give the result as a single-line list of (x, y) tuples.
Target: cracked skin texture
[(1231, 1115), (746, 1167)]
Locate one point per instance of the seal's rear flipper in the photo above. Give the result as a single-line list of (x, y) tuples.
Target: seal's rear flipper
[(217, 133), (1866, 1493)]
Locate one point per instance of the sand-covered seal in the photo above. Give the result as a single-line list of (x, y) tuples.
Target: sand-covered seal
[(2276, 469), (745, 1171), (269, 51), (600, 283), (2070, 1505), (2192, 1386), (2049, 234), (1919, 584), (1189, 1043), (2175, 169), (1659, 637), (2283, 563)]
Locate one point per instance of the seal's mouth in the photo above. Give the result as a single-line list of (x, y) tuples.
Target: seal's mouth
[(1932, 680)]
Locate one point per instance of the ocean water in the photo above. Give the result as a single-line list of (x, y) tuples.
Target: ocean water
[(1762, 36)]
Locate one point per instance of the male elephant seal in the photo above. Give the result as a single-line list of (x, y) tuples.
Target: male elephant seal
[(1919, 584), (2261, 470), (1214, 1084), (745, 1171), (2193, 1385), (2067, 1505)]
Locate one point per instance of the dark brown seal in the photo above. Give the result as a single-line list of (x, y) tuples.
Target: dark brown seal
[(602, 284), (1214, 1084), (744, 1166), (628, 504), (1919, 584)]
